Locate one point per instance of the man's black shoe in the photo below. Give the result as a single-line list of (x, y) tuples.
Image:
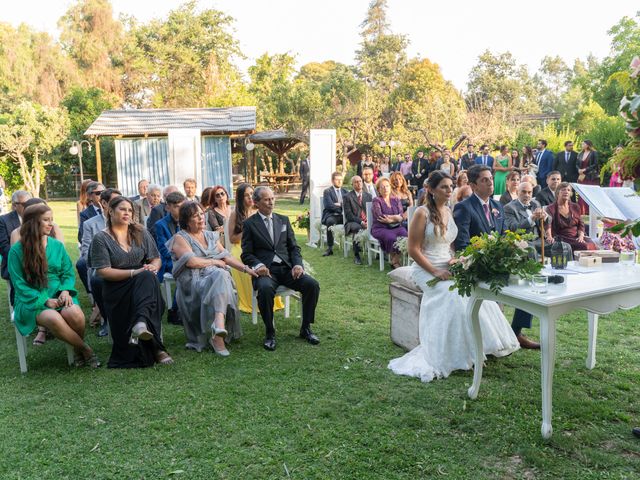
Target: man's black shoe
[(636, 432), (173, 317), (328, 252), (309, 336), (269, 344), (357, 260)]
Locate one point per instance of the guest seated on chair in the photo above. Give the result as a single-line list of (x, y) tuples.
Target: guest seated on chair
[(94, 189), (269, 246), (387, 216), (165, 229), (159, 211), (367, 182), (525, 213), (511, 188), (205, 294), (44, 284), (244, 209), (190, 186), (56, 232), (400, 189), (332, 201), (355, 213), (144, 205), (126, 257), (565, 222), (219, 209), (547, 195)]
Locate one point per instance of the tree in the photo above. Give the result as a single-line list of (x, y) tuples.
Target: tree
[(425, 102), (553, 80), (183, 61), (497, 82), (93, 39), (27, 135)]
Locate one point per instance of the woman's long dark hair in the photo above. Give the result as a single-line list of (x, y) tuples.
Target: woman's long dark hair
[(34, 255), (241, 213), (134, 230), (434, 179)]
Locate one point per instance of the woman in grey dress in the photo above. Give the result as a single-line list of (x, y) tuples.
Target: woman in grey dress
[(205, 289)]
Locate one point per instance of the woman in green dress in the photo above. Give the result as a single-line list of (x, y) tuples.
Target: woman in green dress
[(44, 281), (501, 167)]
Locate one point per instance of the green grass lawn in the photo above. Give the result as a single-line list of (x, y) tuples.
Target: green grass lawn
[(325, 412)]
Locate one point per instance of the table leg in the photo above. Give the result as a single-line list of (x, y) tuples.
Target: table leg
[(593, 335), (548, 359), (473, 310)]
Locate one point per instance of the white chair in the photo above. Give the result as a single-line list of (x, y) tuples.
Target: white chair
[(21, 342), (373, 246), (346, 244), (167, 282), (282, 291), (410, 211)]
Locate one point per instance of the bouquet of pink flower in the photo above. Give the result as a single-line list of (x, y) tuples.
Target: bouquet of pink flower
[(303, 221)]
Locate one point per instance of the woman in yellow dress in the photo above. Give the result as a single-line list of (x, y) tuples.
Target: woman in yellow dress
[(244, 209)]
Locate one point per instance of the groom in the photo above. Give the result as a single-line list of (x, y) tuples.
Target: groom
[(270, 248), (478, 214)]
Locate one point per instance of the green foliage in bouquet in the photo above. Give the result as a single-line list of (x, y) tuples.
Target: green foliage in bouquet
[(491, 258), (303, 221)]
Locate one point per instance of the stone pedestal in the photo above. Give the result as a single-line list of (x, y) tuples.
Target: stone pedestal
[(405, 313)]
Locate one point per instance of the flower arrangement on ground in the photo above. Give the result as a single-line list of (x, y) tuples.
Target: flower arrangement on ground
[(402, 245), (491, 258)]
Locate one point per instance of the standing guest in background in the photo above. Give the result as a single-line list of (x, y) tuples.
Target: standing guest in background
[(84, 200), (190, 187), (501, 167), (544, 160), (165, 229), (566, 163), (547, 195), (400, 190), (206, 198), (405, 168), (94, 189), (42, 274), (126, 257), (516, 162), (511, 191), (244, 209), (384, 165), (332, 203), (159, 211), (532, 180), (269, 247), (355, 212), (588, 170), (566, 222), (387, 214), (219, 209), (395, 167), (143, 206), (91, 228), (468, 158), (446, 165), (366, 162), (462, 193), (143, 185), (304, 171), (205, 292), (528, 163), (484, 158), (419, 169)]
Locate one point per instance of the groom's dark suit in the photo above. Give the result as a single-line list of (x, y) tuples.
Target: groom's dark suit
[(471, 221), (259, 249)]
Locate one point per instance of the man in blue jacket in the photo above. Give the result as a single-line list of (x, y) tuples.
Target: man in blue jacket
[(484, 158), (544, 160), (165, 229)]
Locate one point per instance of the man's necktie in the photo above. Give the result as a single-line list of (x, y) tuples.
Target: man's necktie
[(485, 207), (270, 228)]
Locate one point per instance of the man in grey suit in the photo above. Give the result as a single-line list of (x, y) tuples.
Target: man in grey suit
[(8, 223), (355, 213), (89, 230)]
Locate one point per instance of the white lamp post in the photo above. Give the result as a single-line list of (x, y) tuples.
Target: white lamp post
[(76, 149)]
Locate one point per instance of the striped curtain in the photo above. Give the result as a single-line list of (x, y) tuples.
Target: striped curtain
[(140, 158), (216, 163)]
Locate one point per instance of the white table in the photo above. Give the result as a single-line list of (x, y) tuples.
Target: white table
[(609, 288)]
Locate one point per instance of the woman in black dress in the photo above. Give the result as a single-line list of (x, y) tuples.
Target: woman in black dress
[(126, 257)]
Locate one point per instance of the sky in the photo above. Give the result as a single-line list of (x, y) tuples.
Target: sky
[(451, 33)]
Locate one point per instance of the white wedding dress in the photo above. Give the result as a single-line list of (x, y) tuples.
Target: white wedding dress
[(446, 336)]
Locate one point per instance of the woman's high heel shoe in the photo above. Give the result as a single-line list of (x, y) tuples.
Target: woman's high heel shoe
[(219, 332), (223, 353), (140, 332)]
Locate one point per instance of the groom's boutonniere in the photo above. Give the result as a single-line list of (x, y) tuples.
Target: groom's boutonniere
[(495, 212)]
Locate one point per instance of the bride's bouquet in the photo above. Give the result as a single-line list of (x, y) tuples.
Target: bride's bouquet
[(492, 258)]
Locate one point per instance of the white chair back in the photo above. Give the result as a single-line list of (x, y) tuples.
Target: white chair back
[(227, 239), (410, 211), (369, 218)]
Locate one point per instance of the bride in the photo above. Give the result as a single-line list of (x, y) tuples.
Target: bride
[(446, 337)]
